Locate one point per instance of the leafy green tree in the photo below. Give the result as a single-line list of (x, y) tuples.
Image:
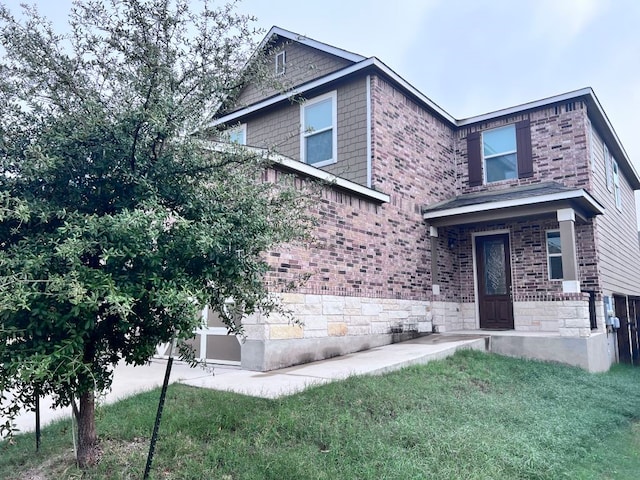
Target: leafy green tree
[(117, 222)]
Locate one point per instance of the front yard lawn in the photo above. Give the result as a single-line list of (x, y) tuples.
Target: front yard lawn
[(472, 416)]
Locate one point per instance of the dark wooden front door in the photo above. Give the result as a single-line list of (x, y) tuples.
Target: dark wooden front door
[(494, 282)]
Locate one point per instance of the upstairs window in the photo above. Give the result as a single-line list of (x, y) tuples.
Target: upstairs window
[(502, 153), (318, 144), (238, 134), (280, 63), (608, 168), (617, 193), (499, 153), (554, 255)]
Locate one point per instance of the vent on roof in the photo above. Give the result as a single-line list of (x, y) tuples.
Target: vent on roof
[(570, 106)]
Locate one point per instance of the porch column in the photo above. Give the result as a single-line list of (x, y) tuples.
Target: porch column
[(435, 279), (567, 220)]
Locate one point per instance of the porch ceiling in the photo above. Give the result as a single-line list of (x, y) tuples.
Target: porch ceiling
[(540, 200)]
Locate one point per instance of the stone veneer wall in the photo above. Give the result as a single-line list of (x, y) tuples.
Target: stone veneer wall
[(322, 316), (570, 317), (329, 325)]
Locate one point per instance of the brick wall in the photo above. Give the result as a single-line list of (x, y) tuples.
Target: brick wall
[(370, 250), (559, 142), (529, 270)]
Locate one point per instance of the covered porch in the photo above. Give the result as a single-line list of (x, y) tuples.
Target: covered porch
[(520, 266)]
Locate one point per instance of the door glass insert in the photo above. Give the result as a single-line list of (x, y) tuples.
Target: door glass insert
[(495, 269)]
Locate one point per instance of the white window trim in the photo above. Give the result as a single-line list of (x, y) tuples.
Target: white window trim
[(280, 63), (242, 129), (549, 254), (617, 191), (334, 126), (484, 158)]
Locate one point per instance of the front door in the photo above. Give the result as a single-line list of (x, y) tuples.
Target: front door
[(494, 282)]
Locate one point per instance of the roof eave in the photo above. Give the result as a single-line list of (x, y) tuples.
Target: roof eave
[(281, 32), (593, 106), (580, 197)]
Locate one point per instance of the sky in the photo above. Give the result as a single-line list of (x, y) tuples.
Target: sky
[(476, 56)]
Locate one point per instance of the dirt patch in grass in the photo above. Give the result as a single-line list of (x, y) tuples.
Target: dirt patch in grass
[(64, 465)]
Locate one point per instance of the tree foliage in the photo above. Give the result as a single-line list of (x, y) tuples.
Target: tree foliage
[(118, 220)]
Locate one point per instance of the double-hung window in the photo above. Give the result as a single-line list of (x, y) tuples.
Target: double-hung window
[(554, 255), (502, 153), (499, 151), (616, 184), (318, 140)]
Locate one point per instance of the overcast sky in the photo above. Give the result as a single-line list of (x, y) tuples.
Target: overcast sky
[(476, 56)]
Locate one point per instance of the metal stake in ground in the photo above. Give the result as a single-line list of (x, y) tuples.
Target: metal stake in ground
[(156, 426), (38, 434)]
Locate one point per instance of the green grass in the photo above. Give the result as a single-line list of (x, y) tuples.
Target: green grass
[(472, 416)]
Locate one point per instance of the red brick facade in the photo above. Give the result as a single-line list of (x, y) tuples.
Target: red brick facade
[(392, 140)]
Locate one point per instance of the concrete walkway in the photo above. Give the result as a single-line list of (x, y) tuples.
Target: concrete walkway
[(130, 380)]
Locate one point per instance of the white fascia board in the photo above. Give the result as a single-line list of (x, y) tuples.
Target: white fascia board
[(306, 170), (292, 93), (525, 106), (520, 202), (314, 172), (338, 52), (369, 62)]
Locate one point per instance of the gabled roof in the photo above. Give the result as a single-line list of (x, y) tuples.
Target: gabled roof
[(363, 64), (338, 52)]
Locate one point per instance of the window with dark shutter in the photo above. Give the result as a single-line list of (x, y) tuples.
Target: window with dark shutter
[(474, 156), (523, 142)]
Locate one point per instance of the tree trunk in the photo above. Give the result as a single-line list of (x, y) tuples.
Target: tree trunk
[(88, 452)]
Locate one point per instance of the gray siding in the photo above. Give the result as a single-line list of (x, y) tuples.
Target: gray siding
[(279, 130), (616, 231), (303, 64)]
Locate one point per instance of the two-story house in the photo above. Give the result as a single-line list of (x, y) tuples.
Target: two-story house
[(519, 223)]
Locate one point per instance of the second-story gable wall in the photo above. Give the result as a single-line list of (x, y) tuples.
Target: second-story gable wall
[(302, 64), (413, 161), (616, 230), (279, 129), (559, 148)]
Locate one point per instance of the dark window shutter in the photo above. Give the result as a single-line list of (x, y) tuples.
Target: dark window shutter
[(523, 142), (474, 157)]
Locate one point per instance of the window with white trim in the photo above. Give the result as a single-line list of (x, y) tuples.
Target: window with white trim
[(554, 255), (280, 63), (499, 152), (318, 140), (617, 193), (237, 134), (608, 167)]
